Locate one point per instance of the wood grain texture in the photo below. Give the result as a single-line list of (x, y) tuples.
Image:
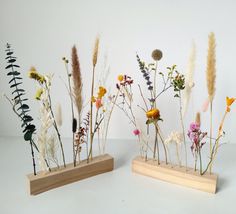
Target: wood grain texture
[(58, 177), (175, 174)]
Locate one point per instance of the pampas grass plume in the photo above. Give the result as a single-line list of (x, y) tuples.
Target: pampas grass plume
[(211, 69), (95, 51), (77, 80)]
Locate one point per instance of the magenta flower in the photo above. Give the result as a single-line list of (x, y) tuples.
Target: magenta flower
[(136, 132), (194, 127)]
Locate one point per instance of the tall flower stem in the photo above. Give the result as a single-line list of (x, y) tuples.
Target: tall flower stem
[(56, 128), (156, 146), (200, 159), (210, 168), (163, 143), (182, 124), (72, 112), (91, 116)]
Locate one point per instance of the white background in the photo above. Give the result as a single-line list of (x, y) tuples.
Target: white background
[(42, 32)]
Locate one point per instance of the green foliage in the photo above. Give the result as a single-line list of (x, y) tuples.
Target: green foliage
[(19, 105)]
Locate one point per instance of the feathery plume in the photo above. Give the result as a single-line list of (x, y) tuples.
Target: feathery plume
[(58, 115), (189, 84), (95, 51), (211, 69), (77, 80)]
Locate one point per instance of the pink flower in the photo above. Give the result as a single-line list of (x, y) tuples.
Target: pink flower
[(194, 127), (98, 103), (136, 132)]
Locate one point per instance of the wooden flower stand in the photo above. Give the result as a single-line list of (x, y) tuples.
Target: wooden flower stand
[(175, 174), (59, 177)]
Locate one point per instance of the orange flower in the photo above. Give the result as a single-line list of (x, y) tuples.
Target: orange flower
[(120, 78), (102, 91), (98, 103), (229, 102), (153, 114)]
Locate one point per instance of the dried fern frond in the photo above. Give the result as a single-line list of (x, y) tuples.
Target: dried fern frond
[(58, 115), (189, 84), (95, 51), (77, 80), (211, 68)]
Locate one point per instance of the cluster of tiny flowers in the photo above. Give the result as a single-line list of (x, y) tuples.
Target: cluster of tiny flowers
[(196, 136)]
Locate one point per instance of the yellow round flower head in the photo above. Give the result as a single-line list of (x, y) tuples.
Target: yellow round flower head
[(120, 77), (153, 114), (229, 102), (93, 100)]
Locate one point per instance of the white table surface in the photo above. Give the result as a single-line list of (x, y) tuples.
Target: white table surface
[(119, 191)]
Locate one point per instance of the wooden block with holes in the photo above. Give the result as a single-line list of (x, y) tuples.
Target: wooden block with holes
[(175, 174), (58, 177)]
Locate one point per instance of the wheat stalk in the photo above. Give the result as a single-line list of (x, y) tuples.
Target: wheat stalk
[(77, 80)]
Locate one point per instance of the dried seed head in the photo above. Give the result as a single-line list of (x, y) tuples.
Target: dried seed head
[(157, 55), (198, 118)]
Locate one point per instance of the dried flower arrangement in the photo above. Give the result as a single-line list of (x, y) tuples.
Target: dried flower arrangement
[(172, 171), (47, 140)]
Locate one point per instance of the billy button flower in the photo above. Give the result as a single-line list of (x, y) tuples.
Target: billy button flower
[(33, 74), (120, 77), (38, 94), (229, 102)]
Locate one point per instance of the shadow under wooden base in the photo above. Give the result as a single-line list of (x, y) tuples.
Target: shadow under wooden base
[(175, 174), (58, 177)]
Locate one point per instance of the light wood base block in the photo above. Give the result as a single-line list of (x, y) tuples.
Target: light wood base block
[(58, 177), (175, 174)]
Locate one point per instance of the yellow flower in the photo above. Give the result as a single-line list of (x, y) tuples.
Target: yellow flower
[(229, 102), (120, 77), (33, 74), (38, 94), (153, 114), (102, 91), (93, 99)]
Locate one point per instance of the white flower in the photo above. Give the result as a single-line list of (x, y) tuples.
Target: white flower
[(175, 137)]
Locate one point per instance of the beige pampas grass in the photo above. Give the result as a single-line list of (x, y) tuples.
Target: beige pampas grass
[(211, 68), (95, 51), (77, 80), (189, 84), (58, 115)]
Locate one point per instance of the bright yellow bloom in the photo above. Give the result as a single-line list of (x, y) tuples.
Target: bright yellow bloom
[(102, 91), (153, 114), (38, 94), (229, 102), (33, 74), (120, 77)]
